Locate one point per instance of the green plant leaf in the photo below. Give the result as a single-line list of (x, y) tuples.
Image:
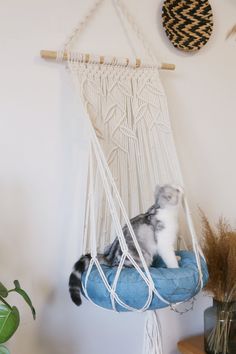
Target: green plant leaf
[(4, 350), (25, 297), (3, 290), (17, 284), (9, 322)]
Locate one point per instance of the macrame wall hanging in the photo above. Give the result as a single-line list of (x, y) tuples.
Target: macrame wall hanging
[(131, 149), (188, 23)]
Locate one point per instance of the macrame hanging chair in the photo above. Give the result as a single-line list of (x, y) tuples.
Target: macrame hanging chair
[(131, 149)]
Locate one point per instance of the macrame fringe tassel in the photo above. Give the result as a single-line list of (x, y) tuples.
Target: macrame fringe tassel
[(152, 334)]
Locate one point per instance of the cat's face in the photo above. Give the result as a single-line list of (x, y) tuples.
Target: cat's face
[(167, 195)]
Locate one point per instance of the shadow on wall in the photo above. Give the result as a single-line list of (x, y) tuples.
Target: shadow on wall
[(65, 328), (57, 317), (15, 210), (56, 331)]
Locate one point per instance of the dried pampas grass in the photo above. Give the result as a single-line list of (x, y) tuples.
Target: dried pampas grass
[(231, 32), (219, 248)]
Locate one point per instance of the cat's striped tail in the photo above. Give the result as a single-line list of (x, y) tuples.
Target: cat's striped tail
[(75, 281)]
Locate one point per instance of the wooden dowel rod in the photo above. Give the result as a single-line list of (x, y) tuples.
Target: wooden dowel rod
[(52, 55), (167, 66)]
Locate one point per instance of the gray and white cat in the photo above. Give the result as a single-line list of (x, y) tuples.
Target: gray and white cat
[(156, 232)]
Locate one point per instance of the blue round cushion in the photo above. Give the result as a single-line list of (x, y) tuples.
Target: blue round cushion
[(174, 285)]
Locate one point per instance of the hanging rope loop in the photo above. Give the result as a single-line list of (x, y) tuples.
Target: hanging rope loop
[(122, 14)]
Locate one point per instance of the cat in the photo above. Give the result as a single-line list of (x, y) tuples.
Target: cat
[(156, 232)]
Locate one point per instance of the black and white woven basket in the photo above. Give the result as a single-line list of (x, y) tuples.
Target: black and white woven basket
[(187, 23)]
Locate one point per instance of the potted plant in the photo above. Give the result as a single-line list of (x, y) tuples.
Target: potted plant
[(9, 315), (219, 248)]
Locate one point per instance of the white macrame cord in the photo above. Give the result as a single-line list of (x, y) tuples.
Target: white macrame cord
[(131, 149)]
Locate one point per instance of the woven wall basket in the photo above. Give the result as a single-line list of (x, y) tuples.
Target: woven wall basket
[(187, 23)]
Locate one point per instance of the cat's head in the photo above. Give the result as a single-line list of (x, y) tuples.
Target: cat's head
[(167, 195)]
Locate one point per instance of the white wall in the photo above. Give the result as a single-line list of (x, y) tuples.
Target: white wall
[(43, 152)]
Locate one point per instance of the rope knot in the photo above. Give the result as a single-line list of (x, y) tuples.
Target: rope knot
[(60, 55), (112, 293), (152, 286), (125, 253)]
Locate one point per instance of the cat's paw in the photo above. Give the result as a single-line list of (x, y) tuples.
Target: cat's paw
[(178, 258)]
